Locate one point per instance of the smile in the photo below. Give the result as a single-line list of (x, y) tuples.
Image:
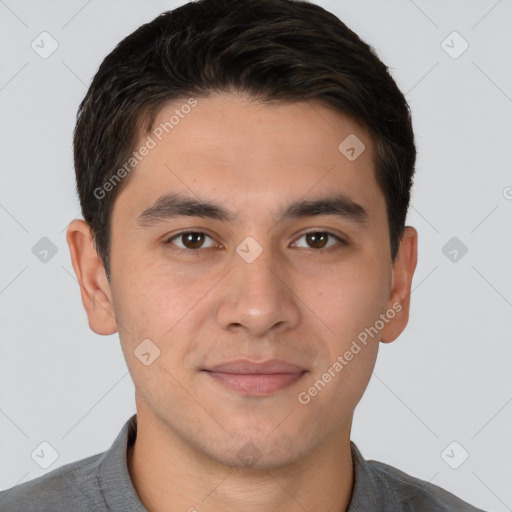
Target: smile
[(256, 384)]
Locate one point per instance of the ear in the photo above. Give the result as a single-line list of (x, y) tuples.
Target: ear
[(94, 286), (400, 293)]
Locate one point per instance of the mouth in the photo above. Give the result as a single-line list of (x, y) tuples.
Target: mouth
[(255, 378)]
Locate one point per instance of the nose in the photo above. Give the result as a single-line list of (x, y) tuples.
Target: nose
[(257, 298)]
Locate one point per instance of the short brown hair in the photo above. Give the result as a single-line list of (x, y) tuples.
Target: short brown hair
[(270, 50)]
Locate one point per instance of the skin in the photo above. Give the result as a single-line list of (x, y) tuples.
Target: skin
[(292, 303)]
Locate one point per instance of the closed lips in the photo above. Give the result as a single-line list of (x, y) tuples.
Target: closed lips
[(245, 367)]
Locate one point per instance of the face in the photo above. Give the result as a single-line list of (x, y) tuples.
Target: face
[(252, 278)]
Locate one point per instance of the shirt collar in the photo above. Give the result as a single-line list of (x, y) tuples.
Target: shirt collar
[(120, 493), (115, 480), (369, 492)]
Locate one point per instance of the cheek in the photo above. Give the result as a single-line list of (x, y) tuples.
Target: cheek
[(351, 304), (155, 305), (150, 300), (349, 299)]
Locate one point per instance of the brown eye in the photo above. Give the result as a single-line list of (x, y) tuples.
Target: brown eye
[(319, 239), (191, 240)]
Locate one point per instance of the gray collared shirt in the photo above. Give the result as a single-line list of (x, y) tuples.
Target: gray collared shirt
[(102, 482)]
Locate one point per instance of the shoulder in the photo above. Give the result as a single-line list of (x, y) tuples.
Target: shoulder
[(413, 494), (72, 487)]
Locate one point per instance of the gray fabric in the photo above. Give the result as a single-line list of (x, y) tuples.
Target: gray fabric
[(102, 482)]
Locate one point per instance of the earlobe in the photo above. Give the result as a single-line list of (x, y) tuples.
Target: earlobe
[(94, 287), (400, 293)]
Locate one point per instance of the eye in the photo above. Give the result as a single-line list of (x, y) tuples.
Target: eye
[(191, 240), (318, 240)]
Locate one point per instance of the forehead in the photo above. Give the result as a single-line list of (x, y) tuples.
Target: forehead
[(253, 155)]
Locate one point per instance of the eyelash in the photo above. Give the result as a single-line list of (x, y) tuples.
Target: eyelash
[(189, 252)]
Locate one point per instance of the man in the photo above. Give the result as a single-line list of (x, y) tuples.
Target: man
[(244, 169)]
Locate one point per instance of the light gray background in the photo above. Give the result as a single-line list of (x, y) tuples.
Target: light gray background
[(447, 378)]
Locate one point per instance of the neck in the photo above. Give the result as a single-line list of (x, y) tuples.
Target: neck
[(170, 475)]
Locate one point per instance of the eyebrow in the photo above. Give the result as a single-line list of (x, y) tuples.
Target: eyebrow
[(170, 206)]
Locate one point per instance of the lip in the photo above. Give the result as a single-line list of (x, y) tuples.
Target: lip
[(245, 366), (256, 378)]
